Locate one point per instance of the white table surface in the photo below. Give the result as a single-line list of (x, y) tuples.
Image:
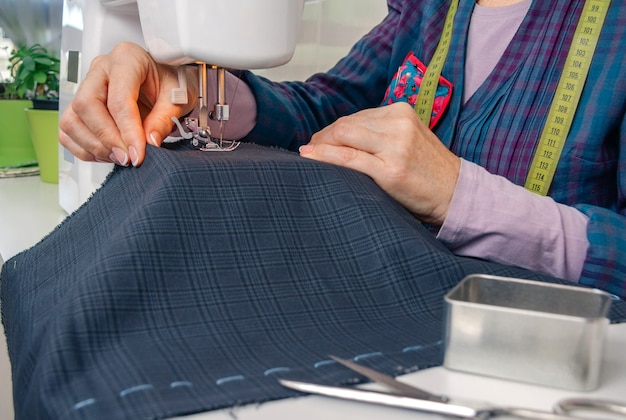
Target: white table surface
[(29, 210)]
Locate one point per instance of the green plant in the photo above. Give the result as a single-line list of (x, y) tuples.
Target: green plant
[(35, 74)]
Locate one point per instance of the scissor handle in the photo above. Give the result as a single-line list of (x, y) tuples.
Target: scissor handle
[(571, 405)]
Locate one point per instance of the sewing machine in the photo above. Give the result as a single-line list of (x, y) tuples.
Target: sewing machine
[(222, 34)]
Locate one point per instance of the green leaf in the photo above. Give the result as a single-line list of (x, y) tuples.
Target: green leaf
[(44, 61), (29, 82), (28, 64), (40, 77), (22, 74)]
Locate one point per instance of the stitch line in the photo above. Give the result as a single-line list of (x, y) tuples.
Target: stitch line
[(268, 372), (324, 363), (84, 403), (222, 381), (275, 370), (417, 347), (178, 384), (366, 356), (137, 388)]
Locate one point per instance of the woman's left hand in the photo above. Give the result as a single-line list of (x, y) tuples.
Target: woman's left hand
[(401, 154)]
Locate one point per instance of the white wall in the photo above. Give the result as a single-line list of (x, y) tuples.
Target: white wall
[(329, 29)]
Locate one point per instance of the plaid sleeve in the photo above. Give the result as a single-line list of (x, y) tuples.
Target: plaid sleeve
[(299, 109), (605, 265)]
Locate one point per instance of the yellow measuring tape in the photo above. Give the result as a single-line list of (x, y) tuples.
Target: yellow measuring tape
[(430, 81), (567, 96)]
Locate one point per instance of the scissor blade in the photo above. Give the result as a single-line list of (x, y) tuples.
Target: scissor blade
[(405, 389), (381, 398)]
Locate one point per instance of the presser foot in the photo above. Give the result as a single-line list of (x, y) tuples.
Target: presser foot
[(209, 144), (201, 138)]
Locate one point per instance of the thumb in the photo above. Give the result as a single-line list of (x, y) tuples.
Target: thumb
[(158, 123)]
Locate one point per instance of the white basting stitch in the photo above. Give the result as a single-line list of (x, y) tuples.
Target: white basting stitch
[(324, 363), (367, 355), (178, 384), (421, 346), (412, 348), (222, 381), (84, 403), (137, 388), (275, 370)]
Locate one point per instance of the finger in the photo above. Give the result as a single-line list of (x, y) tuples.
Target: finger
[(345, 156), (121, 103), (368, 130), (347, 137), (75, 149), (158, 122), (76, 136), (89, 109)]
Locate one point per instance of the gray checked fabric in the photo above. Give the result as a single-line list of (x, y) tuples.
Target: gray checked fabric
[(195, 281)]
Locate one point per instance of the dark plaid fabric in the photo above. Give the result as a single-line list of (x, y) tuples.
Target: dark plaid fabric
[(195, 281)]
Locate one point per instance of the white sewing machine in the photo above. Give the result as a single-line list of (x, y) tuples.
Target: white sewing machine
[(233, 34)]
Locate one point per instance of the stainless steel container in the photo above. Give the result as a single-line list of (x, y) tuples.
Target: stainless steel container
[(527, 331)]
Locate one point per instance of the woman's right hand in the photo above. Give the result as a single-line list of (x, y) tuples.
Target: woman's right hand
[(123, 102)]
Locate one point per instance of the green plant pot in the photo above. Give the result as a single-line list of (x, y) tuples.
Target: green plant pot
[(44, 130), (16, 147)]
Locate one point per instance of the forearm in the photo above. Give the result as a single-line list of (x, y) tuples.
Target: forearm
[(494, 219)]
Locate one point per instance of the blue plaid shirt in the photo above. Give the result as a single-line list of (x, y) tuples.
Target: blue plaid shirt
[(498, 127)]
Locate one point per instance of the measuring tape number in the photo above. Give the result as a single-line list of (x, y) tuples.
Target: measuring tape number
[(428, 88), (567, 96)]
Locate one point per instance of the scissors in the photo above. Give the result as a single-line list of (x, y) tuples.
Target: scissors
[(414, 398)]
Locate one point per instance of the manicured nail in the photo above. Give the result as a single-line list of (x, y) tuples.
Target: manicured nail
[(120, 156), (154, 138), (307, 148), (134, 157)]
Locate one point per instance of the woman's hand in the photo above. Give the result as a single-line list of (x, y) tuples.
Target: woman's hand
[(123, 102), (393, 146)]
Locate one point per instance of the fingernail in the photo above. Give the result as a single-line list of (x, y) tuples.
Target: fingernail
[(154, 139), (307, 148), (134, 157), (120, 156)]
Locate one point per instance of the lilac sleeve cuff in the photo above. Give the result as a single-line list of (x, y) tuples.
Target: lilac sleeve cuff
[(493, 219)]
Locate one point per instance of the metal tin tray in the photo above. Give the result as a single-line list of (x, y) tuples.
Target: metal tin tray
[(529, 331)]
